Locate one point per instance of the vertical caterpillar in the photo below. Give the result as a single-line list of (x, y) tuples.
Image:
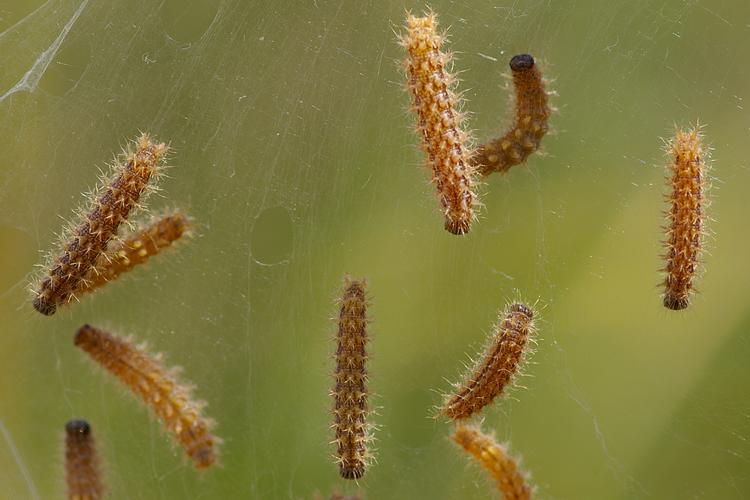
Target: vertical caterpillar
[(145, 376), (494, 457), (82, 473), (439, 121), (89, 239), (685, 217), (350, 407), (496, 369), (136, 249), (530, 121)]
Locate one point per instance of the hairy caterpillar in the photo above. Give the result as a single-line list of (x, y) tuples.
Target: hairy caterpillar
[(110, 207), (685, 217), (350, 406), (157, 387), (530, 120), (136, 249), (82, 471), (440, 122), (496, 369), (510, 481)]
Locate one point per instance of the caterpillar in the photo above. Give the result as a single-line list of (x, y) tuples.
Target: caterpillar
[(445, 142), (157, 387), (530, 120), (685, 217), (82, 472), (136, 249), (350, 405), (497, 367), (86, 242), (503, 468)]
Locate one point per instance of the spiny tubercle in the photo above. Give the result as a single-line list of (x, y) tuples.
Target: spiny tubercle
[(136, 249), (157, 387), (82, 470), (350, 406), (530, 120), (496, 369), (685, 217), (90, 237), (509, 479), (440, 122)]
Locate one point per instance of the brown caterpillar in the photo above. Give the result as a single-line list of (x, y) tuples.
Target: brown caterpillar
[(439, 121), (530, 121), (350, 406), (82, 472), (496, 369), (510, 481), (136, 249), (157, 387), (88, 240), (685, 217)]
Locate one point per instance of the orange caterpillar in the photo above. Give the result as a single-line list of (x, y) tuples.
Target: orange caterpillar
[(350, 407), (497, 367), (440, 122), (530, 121), (82, 474), (685, 217), (145, 376), (510, 481), (136, 249), (88, 240)]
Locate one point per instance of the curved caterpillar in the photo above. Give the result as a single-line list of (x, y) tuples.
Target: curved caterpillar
[(88, 240), (157, 387), (530, 120), (497, 367), (509, 479), (440, 122), (82, 472)]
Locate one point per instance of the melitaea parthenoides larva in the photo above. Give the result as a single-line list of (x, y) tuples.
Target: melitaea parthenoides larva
[(510, 480), (157, 387), (445, 141), (136, 248), (109, 207), (83, 475), (497, 366), (530, 120), (687, 180), (350, 393)]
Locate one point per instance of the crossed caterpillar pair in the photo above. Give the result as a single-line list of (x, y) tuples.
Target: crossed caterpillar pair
[(91, 254)]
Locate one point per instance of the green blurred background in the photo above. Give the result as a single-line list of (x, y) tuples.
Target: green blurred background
[(294, 152)]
